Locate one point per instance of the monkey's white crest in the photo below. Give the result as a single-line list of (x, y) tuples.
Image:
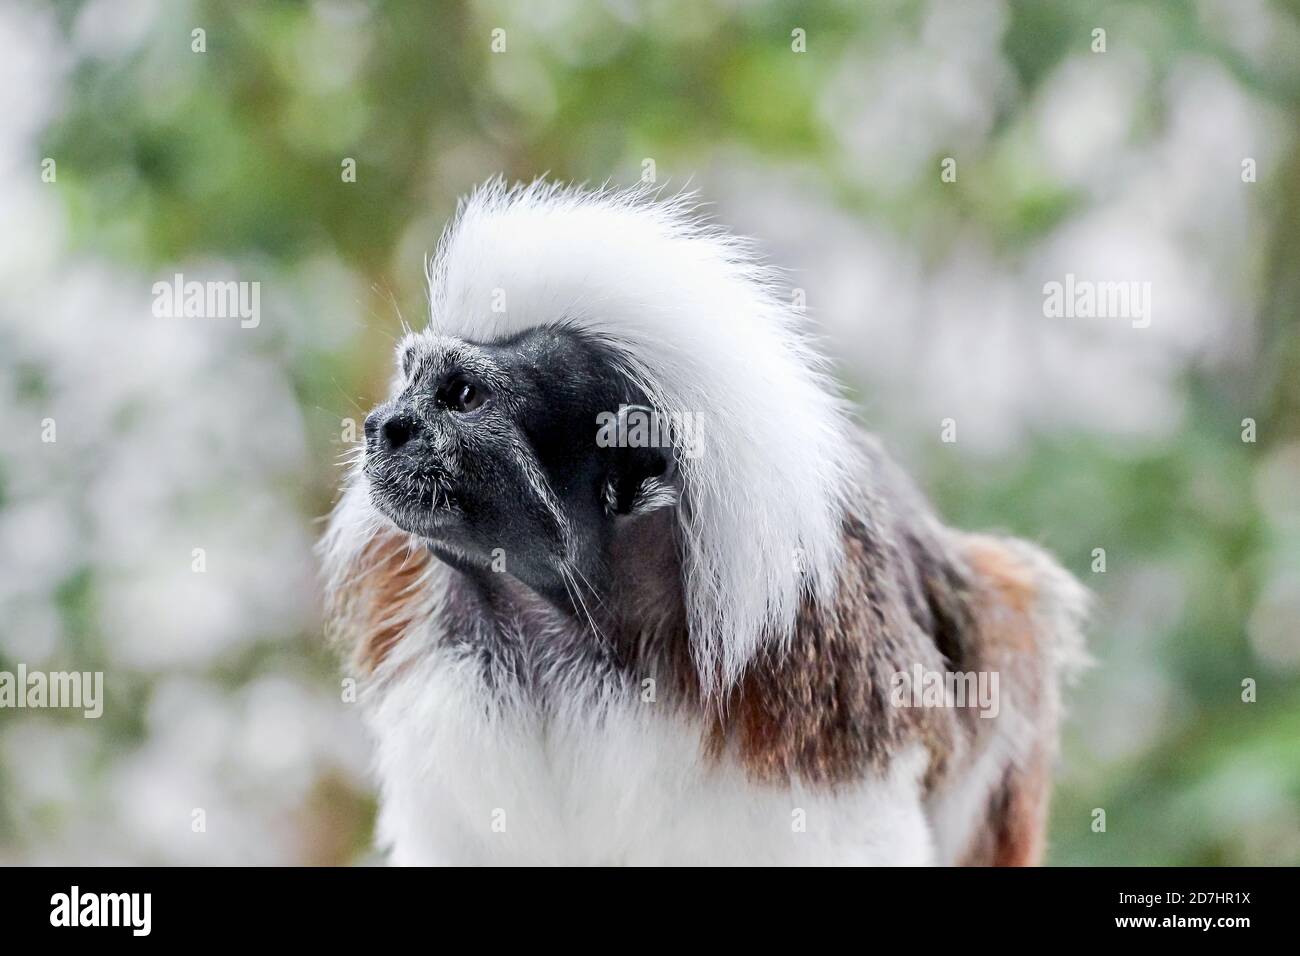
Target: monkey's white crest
[(704, 330)]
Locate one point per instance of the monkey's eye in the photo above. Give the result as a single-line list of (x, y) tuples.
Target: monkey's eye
[(460, 395)]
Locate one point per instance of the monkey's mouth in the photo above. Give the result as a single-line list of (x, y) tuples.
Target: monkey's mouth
[(419, 501)]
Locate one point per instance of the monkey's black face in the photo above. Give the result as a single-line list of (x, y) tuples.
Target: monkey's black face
[(489, 452)]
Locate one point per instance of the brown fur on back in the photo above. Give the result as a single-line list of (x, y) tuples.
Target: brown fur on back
[(1024, 630), (819, 708)]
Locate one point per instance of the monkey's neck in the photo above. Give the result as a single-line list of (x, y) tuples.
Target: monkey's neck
[(630, 623)]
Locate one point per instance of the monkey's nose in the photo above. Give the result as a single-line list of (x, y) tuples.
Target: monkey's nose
[(391, 430)]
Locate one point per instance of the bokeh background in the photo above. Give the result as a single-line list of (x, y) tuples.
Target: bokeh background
[(176, 434)]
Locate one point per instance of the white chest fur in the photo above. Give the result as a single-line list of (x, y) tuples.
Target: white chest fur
[(466, 782)]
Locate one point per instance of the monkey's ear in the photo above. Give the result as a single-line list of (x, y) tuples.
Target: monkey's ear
[(641, 480)]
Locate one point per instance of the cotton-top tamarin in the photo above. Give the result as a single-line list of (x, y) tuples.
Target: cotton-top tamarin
[(625, 585)]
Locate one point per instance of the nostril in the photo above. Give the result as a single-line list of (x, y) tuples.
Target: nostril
[(397, 430)]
